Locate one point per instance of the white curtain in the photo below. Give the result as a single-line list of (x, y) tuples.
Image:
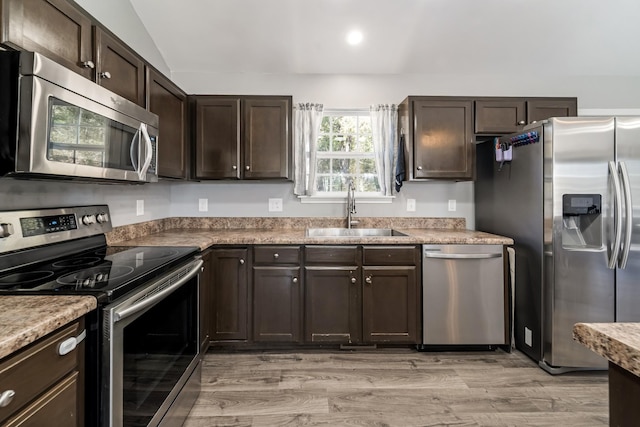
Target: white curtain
[(384, 125), (308, 117)]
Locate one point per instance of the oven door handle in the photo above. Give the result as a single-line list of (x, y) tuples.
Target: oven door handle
[(152, 299)]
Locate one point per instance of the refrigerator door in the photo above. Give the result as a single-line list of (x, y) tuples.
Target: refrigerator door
[(628, 156), (581, 286)]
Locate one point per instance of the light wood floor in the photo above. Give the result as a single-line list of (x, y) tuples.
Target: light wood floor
[(393, 387)]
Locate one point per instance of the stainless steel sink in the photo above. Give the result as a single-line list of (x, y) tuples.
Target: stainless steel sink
[(353, 232)]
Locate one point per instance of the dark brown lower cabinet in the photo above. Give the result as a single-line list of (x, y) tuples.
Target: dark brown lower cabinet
[(332, 304), (229, 285), (390, 305), (277, 304)]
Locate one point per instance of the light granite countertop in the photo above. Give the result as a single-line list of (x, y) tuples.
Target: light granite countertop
[(26, 318), (205, 238), (618, 342)]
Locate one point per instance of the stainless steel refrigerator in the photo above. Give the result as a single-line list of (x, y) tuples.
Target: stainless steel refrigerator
[(570, 199)]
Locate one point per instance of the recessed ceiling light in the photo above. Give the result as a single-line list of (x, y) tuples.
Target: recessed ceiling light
[(354, 37)]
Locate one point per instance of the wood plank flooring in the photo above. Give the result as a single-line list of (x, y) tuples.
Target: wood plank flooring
[(393, 387)]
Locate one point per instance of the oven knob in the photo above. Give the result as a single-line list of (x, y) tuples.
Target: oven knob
[(6, 230), (88, 219), (102, 218)]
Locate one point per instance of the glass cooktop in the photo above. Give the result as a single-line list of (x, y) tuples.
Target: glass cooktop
[(106, 272)]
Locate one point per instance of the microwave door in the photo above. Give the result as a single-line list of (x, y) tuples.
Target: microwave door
[(70, 135)]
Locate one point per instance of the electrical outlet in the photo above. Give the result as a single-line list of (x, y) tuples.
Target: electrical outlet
[(411, 205), (275, 205), (139, 207), (203, 205), (452, 205)]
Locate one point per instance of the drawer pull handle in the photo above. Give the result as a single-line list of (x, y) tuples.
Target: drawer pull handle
[(521, 122), (241, 261), (369, 280), (295, 280), (6, 397), (276, 256), (353, 280), (89, 64), (106, 75), (70, 344)]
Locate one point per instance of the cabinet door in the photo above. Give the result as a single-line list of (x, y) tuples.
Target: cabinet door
[(390, 305), (276, 304), (206, 301), (170, 104), (217, 154), (118, 68), (500, 116), (230, 283), (53, 28), (443, 139), (332, 305), (540, 109), (267, 138)]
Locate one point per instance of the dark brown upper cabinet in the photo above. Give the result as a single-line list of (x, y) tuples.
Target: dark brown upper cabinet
[(242, 137), (499, 116), (169, 102), (118, 68), (439, 141), (54, 28)]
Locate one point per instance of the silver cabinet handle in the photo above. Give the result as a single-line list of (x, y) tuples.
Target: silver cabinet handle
[(419, 168), (276, 256), (295, 280), (460, 256), (628, 204), (241, 261), (368, 279), (247, 167), (521, 122), (6, 397), (617, 208), (89, 64), (234, 167), (106, 75), (353, 280)]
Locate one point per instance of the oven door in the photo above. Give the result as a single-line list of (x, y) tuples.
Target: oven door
[(64, 134), (150, 348)]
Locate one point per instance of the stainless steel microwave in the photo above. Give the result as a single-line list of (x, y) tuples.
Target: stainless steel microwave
[(54, 123)]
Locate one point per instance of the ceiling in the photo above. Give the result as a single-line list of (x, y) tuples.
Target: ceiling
[(556, 37)]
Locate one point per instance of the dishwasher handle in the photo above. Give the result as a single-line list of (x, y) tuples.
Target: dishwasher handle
[(461, 256)]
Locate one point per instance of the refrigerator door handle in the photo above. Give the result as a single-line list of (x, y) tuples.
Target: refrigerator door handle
[(613, 259), (628, 223)]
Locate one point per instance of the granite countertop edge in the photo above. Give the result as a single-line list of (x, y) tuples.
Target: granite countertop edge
[(27, 318), (618, 342), (204, 238)]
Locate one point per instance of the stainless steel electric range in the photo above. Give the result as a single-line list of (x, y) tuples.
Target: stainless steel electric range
[(142, 362)]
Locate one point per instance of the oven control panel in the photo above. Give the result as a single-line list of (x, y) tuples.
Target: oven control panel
[(30, 228)]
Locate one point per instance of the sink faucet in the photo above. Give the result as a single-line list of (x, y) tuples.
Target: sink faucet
[(351, 203)]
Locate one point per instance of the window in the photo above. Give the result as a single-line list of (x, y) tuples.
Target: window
[(345, 152)]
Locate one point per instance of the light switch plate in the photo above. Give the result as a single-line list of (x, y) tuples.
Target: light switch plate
[(275, 205), (452, 205), (411, 205), (203, 205), (139, 207)]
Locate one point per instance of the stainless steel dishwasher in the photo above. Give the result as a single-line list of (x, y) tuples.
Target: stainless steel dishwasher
[(463, 295)]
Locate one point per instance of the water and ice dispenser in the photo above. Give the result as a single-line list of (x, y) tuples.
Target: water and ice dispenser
[(582, 221)]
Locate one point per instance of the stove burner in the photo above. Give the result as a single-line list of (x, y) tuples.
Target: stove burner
[(91, 277), (24, 277), (76, 262)]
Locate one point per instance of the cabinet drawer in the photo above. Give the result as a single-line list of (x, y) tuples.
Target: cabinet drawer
[(276, 255), (390, 255), (36, 368), (344, 255)]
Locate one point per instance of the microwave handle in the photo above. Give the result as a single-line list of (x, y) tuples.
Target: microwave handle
[(149, 152), (135, 159)]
